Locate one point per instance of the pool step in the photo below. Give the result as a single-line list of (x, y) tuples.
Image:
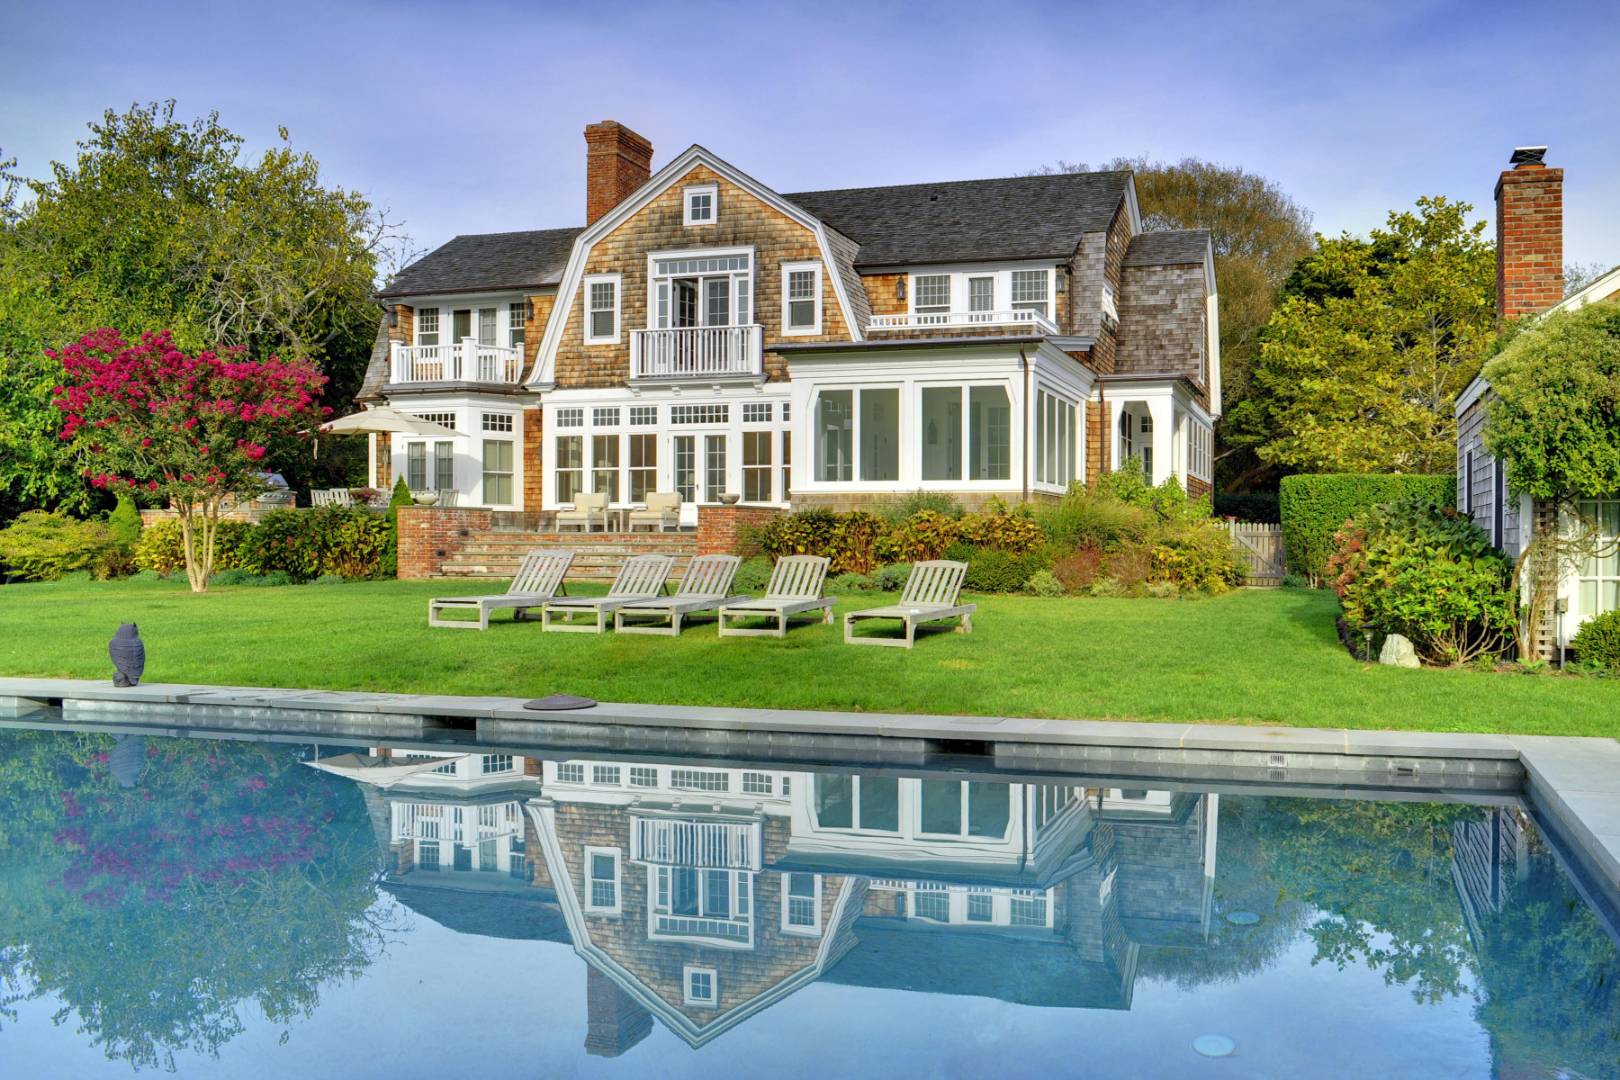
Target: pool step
[(597, 557)]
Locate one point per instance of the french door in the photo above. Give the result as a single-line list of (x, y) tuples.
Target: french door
[(700, 466)]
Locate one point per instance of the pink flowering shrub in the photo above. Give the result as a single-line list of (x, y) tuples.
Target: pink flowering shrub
[(191, 431)]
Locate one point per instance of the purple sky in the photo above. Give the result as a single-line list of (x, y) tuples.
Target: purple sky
[(467, 118)]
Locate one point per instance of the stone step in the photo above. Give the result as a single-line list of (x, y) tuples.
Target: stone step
[(587, 566)]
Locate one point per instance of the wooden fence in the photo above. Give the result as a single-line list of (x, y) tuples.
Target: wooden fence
[(1261, 546)]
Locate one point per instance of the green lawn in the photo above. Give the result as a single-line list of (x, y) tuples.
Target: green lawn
[(1255, 656)]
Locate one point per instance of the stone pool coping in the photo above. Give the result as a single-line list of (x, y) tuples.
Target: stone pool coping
[(1573, 782)]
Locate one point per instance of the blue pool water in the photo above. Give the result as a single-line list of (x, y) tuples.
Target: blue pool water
[(220, 909)]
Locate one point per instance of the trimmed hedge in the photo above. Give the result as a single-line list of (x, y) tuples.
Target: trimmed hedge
[(303, 545), (1315, 506)]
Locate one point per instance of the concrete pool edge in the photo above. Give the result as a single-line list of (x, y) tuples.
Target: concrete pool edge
[(1574, 782)]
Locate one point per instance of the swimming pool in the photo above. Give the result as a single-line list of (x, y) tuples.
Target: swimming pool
[(219, 907)]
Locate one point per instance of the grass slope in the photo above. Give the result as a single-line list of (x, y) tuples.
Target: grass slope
[(1254, 656)]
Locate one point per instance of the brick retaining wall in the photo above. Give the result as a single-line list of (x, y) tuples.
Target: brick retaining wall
[(722, 530)]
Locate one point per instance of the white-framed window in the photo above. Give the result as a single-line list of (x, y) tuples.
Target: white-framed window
[(981, 293), (934, 904), (643, 416), (605, 774), (981, 907), (713, 287), (643, 776), (965, 432), (756, 412), (429, 467), (699, 780), (963, 808), (757, 783), (1599, 578), (757, 469), (569, 418), (801, 903), (858, 434), (443, 419), (860, 803), (1056, 435), (605, 465), (602, 880), (499, 457), (416, 472), (643, 465), (498, 422), (494, 764), (699, 414), (1200, 448), (601, 309), (1465, 484), (930, 293), (517, 318), (1032, 291), (1027, 910), (801, 298), (701, 986), (571, 772), (605, 416), (701, 204), (427, 326), (569, 474)]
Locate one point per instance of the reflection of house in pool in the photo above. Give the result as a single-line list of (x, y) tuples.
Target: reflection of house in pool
[(707, 895), (1488, 854)]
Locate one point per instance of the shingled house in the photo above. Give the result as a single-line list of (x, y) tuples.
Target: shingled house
[(706, 335)]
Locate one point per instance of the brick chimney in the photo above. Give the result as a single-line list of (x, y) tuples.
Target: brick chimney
[(614, 1021), (1529, 235), (617, 162)]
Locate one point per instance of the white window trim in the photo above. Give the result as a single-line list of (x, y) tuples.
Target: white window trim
[(618, 308), (618, 881), (712, 191), (740, 304), (1001, 290), (814, 930), (788, 269), (711, 1002)]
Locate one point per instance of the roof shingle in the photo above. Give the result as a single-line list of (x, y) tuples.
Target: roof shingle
[(1176, 247), (506, 260)]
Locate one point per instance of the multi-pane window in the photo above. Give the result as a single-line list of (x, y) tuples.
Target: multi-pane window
[(981, 294), (756, 465), (1599, 580), (605, 465), (756, 783), (1027, 911), (700, 205), (493, 764), (605, 774), (1055, 436), (602, 879), (427, 855), (1031, 291), (498, 421), (981, 907), (643, 776), (568, 418), (935, 906), (427, 326), (643, 465), (602, 309), (932, 293), (571, 772), (868, 803), (699, 414), (801, 299), (643, 415), (1200, 441), (699, 780), (486, 326), (444, 465), (700, 986), (756, 412), (802, 907), (517, 317), (498, 469), (714, 466), (416, 466), (443, 419), (686, 467), (570, 470), (787, 460), (605, 416)]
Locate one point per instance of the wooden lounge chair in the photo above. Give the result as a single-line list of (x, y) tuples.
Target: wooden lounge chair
[(663, 511), (641, 577), (590, 508), (794, 589), (931, 594), (705, 586), (539, 578)]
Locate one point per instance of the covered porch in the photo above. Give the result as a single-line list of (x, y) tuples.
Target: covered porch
[(1160, 422)]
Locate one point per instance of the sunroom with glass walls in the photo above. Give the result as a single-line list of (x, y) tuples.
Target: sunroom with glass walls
[(482, 463)]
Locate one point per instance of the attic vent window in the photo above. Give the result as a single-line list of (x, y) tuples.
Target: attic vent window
[(700, 204)]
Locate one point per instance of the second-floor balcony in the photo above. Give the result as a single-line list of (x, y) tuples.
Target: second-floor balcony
[(467, 361), (725, 845), (697, 352), (1019, 322)]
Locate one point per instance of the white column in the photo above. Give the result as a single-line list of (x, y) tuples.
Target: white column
[(371, 460), (1162, 410)]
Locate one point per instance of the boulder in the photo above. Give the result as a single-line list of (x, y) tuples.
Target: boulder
[(1398, 652)]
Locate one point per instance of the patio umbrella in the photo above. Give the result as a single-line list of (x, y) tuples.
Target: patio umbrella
[(383, 420), (383, 772)]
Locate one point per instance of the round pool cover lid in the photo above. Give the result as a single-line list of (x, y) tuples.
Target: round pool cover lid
[(558, 703)]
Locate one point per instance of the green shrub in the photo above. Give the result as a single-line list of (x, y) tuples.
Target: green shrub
[(1421, 569), (1108, 587), (286, 542), (1313, 507), (43, 546), (1196, 556), (1259, 506), (161, 546), (330, 579), (1085, 518), (230, 577), (923, 535), (125, 521), (1044, 583), (1079, 570), (752, 575), (272, 579), (389, 566), (1597, 643), (935, 502), (892, 578), (995, 570), (1169, 501), (1296, 581), (999, 529), (1162, 590), (849, 583)]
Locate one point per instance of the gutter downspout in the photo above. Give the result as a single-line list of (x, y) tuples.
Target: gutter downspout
[(1023, 361)]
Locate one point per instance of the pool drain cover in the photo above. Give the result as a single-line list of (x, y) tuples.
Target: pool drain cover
[(558, 703), (1214, 1045), (1242, 918)]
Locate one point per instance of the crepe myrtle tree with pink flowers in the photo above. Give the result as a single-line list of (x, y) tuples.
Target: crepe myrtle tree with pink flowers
[(191, 432)]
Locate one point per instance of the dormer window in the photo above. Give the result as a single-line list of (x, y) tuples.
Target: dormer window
[(702, 204), (932, 293), (1031, 291), (601, 309)]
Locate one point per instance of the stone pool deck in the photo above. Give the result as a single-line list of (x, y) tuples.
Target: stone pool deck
[(1573, 783)]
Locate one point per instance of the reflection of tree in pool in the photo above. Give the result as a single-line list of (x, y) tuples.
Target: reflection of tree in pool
[(1550, 978), (225, 874), (1379, 874), (1242, 883)]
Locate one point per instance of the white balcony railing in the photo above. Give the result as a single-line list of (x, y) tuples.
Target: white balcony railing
[(739, 931), (695, 352), (1028, 321), (466, 362), (718, 845)]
